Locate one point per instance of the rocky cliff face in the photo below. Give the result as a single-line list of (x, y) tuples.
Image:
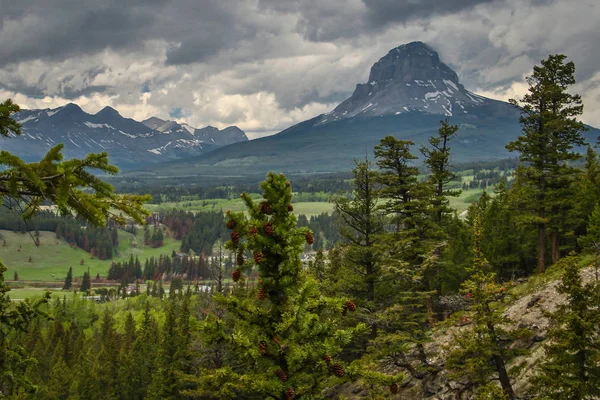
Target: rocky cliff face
[(410, 78)]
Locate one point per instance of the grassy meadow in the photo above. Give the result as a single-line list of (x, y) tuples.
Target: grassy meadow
[(55, 256)]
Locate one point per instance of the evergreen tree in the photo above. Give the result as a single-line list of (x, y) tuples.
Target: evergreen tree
[(571, 368), (286, 336), (550, 130), (437, 159), (478, 352), (16, 276), (86, 283), (68, 279), (361, 221)]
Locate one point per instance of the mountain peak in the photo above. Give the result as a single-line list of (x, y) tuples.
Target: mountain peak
[(409, 78), (108, 111), (410, 62)]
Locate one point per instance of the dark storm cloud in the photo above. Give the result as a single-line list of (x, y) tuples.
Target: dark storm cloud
[(58, 29), (381, 12)]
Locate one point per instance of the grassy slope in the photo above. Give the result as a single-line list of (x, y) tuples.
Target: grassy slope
[(56, 256)]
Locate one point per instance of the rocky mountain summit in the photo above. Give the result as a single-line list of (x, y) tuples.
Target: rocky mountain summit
[(410, 78), (129, 143), (208, 134)]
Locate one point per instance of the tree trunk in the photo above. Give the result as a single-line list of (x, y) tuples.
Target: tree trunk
[(503, 376), (541, 247), (430, 312), (555, 247)]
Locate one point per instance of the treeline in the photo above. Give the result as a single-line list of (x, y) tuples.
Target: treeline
[(163, 267), (175, 191), (197, 231)]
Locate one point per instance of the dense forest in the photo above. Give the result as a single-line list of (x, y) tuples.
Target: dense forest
[(403, 271)]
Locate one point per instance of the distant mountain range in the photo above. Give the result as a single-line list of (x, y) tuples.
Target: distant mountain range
[(408, 92), (129, 143)]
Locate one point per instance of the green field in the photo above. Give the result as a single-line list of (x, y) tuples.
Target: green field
[(305, 207), (55, 256)]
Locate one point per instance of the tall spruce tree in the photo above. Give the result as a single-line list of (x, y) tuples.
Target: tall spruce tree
[(68, 279), (86, 283), (361, 221), (438, 161), (286, 335), (571, 368), (550, 130)]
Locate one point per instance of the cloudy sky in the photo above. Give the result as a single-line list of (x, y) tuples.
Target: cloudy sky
[(264, 65)]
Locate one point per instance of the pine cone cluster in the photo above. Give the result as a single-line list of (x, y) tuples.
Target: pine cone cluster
[(240, 257), (253, 231), (289, 394), (236, 275), (262, 347), (281, 375), (394, 388), (350, 305), (235, 238), (337, 370), (258, 256), (310, 239), (268, 228), (262, 293), (290, 207), (328, 359), (266, 208), (230, 225)]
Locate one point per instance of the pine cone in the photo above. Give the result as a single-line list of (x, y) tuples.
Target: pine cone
[(262, 294), (350, 305), (289, 394), (266, 208), (394, 388), (230, 225), (310, 239), (258, 256), (253, 231), (268, 228), (338, 370), (235, 238), (240, 257), (262, 347), (281, 375), (236, 274), (328, 359), (290, 207)]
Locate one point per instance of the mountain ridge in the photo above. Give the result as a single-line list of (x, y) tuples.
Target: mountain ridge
[(129, 143)]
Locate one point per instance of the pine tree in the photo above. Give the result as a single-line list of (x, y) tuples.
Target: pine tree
[(86, 283), (16, 276), (550, 130), (478, 353), (282, 341), (437, 159), (361, 221), (571, 368), (68, 279)]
